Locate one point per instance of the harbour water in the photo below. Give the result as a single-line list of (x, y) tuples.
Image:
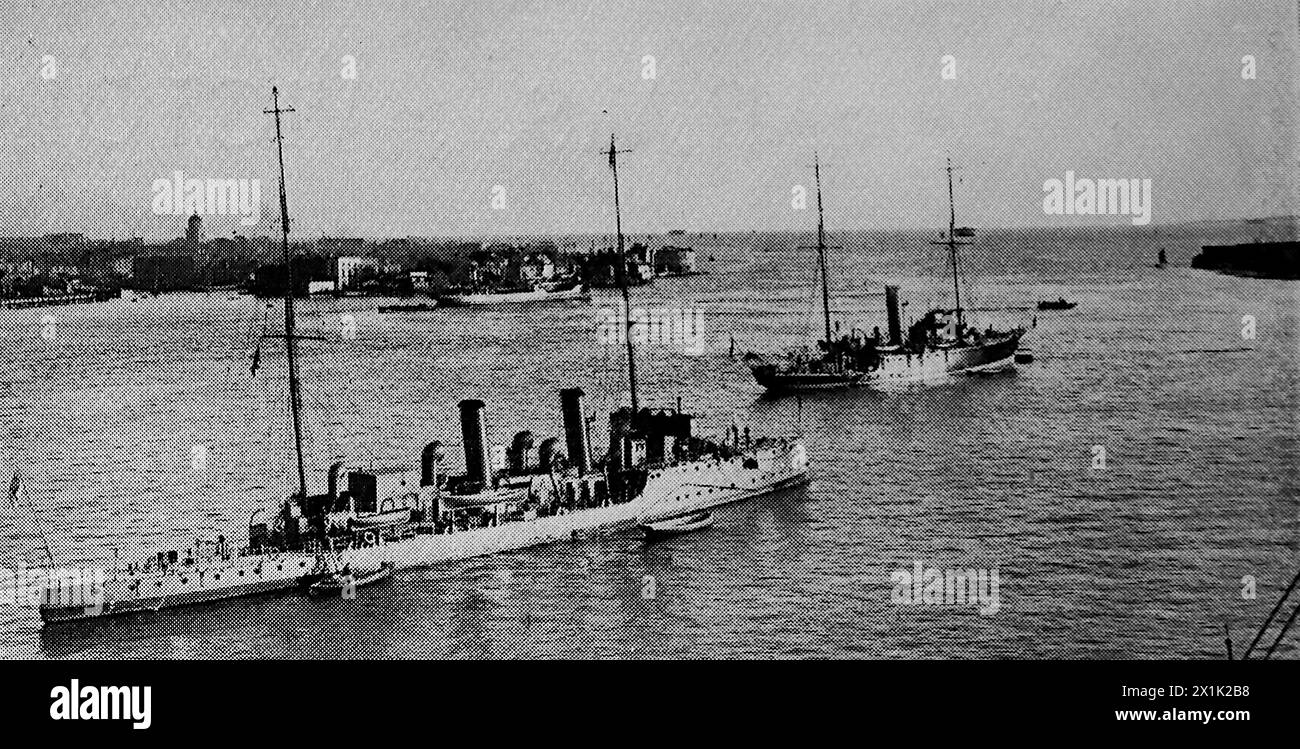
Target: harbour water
[(138, 427)]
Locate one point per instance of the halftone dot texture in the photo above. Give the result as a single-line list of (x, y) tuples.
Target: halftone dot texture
[(104, 403)]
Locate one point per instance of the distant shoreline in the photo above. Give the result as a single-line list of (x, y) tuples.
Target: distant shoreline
[(1294, 220), (1274, 260)]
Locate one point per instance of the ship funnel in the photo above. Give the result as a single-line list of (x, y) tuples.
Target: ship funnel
[(575, 428), (893, 317), (521, 449), (430, 459), (335, 477), (548, 454), (473, 435)]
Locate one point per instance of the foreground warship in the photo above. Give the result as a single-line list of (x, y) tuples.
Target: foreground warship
[(655, 469), (937, 345)]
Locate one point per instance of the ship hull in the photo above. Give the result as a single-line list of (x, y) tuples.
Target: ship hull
[(668, 493), (898, 368), (184, 586), (534, 296), (772, 379), (940, 363)]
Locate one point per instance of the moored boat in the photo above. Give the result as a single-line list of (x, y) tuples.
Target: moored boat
[(537, 293), (678, 525), (1059, 304), (344, 580)]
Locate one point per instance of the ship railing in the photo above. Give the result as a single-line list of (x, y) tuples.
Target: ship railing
[(150, 565)]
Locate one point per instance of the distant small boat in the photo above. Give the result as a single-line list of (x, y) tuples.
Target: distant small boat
[(674, 526), (1058, 304), (424, 307), (338, 582), (548, 292)]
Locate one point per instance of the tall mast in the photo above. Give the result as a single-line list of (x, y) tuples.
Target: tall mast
[(952, 244), (821, 250), (291, 341), (621, 273)]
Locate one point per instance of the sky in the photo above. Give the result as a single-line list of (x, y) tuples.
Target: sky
[(452, 99)]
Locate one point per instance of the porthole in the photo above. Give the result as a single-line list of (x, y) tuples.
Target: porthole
[(183, 581), (217, 576), (280, 567)]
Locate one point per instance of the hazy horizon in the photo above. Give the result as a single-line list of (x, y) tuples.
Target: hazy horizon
[(451, 99)]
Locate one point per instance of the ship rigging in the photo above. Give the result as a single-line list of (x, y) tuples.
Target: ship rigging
[(929, 348), (370, 523)]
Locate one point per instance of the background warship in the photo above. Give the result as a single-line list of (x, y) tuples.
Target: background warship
[(939, 344)]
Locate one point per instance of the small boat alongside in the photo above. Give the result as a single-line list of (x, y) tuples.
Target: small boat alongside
[(346, 579), (678, 525)]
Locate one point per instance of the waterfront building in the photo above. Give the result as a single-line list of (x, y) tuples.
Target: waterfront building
[(351, 270)]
